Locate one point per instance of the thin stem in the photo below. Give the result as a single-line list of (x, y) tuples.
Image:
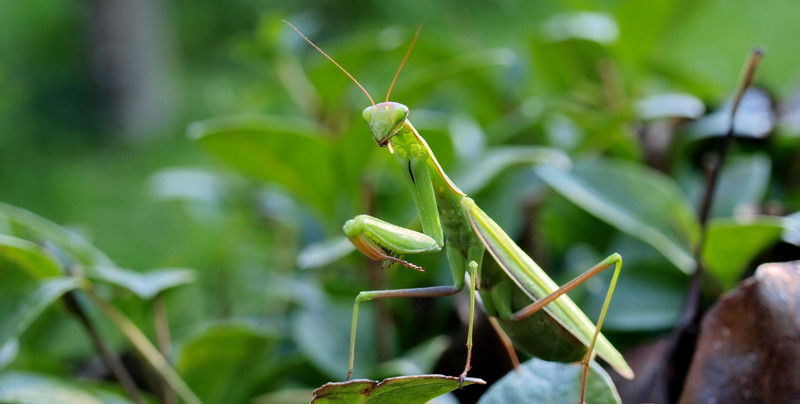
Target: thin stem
[(109, 358), (161, 321), (146, 349), (716, 168), (693, 303), (684, 337)]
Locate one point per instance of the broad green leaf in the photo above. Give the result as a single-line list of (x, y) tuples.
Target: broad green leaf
[(468, 137), (186, 183), (742, 184), (741, 187), (711, 67), (324, 252), (597, 27), (754, 118), (670, 105), (8, 352), (791, 233), (284, 396), (634, 199), (563, 65), (323, 335), (649, 295), (419, 359), (731, 245), (145, 285), (642, 24), (225, 362), (14, 320), (478, 174), (460, 64), (289, 152), (540, 381), (400, 390), (30, 226), (29, 256), (32, 388)]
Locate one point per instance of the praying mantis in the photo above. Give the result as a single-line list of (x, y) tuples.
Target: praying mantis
[(527, 305)]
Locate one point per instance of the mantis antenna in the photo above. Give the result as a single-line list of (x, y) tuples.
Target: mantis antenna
[(403, 63), (334, 62)]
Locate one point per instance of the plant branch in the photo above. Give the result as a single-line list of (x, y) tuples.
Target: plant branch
[(109, 358), (163, 341), (146, 349), (684, 337), (716, 167)]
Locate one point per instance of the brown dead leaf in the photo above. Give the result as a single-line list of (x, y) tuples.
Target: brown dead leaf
[(749, 345)]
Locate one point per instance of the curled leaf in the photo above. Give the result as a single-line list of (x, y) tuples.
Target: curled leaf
[(405, 389)]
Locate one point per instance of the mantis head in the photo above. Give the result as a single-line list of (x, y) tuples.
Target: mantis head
[(384, 120)]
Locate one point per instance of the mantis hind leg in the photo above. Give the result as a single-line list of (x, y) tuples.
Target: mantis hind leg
[(529, 310), (586, 359), (506, 341)]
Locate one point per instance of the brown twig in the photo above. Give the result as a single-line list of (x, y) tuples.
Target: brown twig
[(685, 334), (161, 321), (109, 358)]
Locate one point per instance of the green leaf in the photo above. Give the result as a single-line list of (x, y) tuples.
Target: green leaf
[(30, 226), (145, 285), (642, 24), (539, 381), (14, 320), (419, 359), (32, 388), (581, 25), (325, 252), (284, 396), (637, 200), (401, 390), (8, 352), (479, 173), (669, 105), (754, 118), (30, 257), (224, 362), (331, 353), (289, 152), (710, 67), (791, 233), (742, 184), (649, 295), (188, 184), (731, 244)]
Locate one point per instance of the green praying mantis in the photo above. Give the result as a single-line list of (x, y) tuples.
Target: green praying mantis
[(527, 305)]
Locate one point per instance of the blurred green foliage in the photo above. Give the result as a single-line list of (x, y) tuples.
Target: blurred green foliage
[(292, 161)]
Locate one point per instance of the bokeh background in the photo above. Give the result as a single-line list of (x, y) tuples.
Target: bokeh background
[(113, 116)]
